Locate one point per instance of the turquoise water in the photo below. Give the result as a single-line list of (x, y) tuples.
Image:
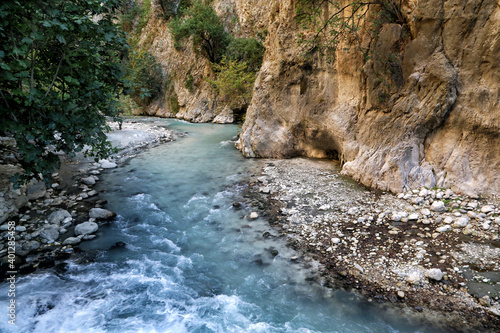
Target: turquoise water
[(191, 263)]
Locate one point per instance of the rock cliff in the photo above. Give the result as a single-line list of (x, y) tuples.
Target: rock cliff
[(422, 110)]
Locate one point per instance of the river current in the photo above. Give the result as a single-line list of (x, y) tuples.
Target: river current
[(191, 262)]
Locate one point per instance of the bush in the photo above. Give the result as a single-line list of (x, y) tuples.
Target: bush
[(233, 82), (144, 77), (248, 50), (202, 24)]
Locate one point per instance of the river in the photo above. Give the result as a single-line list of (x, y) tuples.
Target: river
[(191, 262)]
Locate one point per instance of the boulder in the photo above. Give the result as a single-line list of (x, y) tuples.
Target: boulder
[(72, 240), (58, 216), (86, 228), (49, 234), (88, 180), (105, 164), (31, 246), (101, 214)]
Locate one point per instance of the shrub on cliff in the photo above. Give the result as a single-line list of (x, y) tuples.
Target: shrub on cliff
[(204, 27), (59, 76), (249, 50), (143, 77)]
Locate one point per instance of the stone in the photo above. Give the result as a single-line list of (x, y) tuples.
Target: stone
[(335, 240), (92, 193), (413, 217), (20, 228), (448, 220), (461, 222), (486, 209), (437, 206), (49, 234), (31, 245), (86, 228), (101, 214), (485, 301), (36, 190), (443, 228), (105, 164), (401, 294), (448, 193), (88, 180), (253, 215), (434, 274), (423, 192), (58, 216), (413, 278), (425, 212), (494, 310), (72, 240)]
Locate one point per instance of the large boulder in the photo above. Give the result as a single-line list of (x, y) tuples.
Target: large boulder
[(86, 228)]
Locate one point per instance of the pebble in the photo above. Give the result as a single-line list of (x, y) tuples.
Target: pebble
[(461, 222), (486, 209), (434, 274), (253, 215)]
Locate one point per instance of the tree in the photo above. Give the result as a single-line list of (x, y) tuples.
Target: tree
[(59, 75), (202, 24), (333, 21)]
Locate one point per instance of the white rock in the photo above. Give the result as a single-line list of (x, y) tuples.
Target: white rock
[(253, 215), (439, 195), (471, 214), (352, 211), (49, 234), (105, 164), (443, 228), (101, 214), (425, 212), (461, 222), (88, 180), (472, 204), (413, 278), (487, 209), (486, 225), (448, 220), (324, 207), (423, 192), (448, 193), (335, 240), (86, 228), (58, 216), (434, 274), (413, 217), (437, 206), (72, 241)]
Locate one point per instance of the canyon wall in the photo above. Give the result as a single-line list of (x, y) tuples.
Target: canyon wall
[(422, 110)]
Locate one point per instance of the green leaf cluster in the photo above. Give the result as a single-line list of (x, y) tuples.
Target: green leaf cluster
[(233, 82), (204, 27), (60, 73), (143, 77)]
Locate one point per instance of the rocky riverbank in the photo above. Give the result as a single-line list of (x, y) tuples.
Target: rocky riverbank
[(430, 251), (49, 227)]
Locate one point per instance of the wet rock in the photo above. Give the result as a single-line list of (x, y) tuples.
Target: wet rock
[(49, 234), (101, 214), (437, 206), (58, 216), (88, 180), (30, 246), (434, 274), (86, 228), (72, 240), (105, 164), (253, 215)]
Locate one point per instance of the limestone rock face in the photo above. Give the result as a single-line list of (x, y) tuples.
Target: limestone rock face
[(423, 112)]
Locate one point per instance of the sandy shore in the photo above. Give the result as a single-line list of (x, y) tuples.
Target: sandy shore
[(429, 251)]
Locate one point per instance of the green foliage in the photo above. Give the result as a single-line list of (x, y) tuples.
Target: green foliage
[(342, 21), (59, 75), (204, 27), (170, 95), (144, 77), (248, 50), (233, 82), (133, 17), (190, 83), (171, 8)]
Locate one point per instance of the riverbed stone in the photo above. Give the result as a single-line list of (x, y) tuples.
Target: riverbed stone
[(31, 246), (105, 164), (434, 274), (437, 206), (253, 215), (487, 209), (86, 228), (49, 234), (101, 214), (461, 222), (58, 216), (72, 240), (88, 180)]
